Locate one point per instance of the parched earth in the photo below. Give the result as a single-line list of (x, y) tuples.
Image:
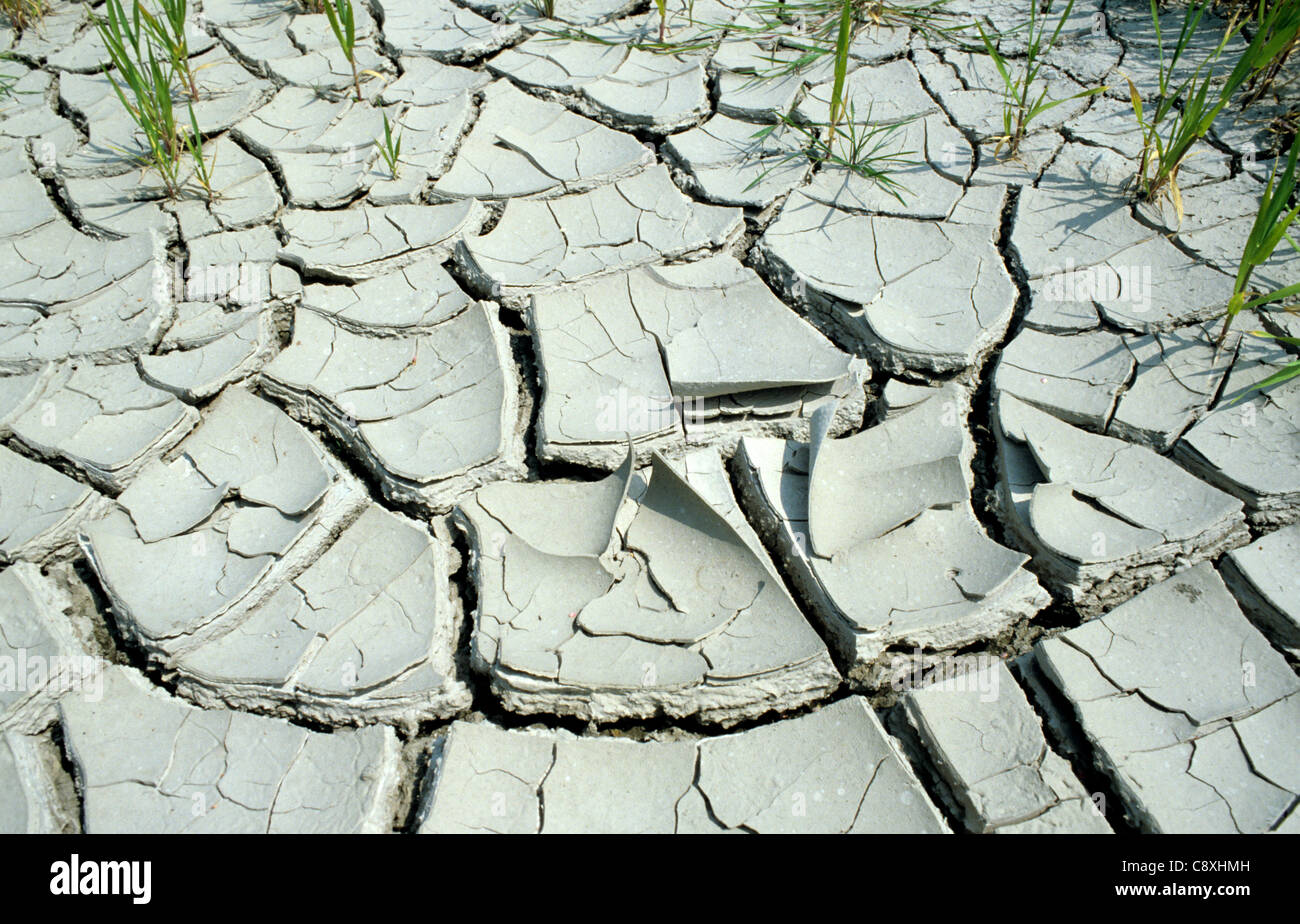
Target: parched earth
[(614, 469)]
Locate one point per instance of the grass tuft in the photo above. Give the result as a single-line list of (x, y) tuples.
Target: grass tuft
[(1272, 226), (144, 86), (390, 147), (168, 33), (1183, 113), (867, 149), (343, 24), (23, 13), (1019, 104)]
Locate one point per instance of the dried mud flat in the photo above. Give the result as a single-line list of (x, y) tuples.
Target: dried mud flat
[(608, 469)]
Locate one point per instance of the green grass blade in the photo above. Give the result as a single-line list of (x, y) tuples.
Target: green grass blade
[(1285, 374), (842, 42), (1275, 296)]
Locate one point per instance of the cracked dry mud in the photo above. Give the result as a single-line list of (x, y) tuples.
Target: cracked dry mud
[(616, 467)]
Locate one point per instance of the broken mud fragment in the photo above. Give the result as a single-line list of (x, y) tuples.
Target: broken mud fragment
[(833, 771), (987, 748), (601, 605), (1103, 518), (539, 245), (431, 412), (933, 297), (148, 763), (891, 503), (652, 356), (1197, 738), (1265, 578)]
